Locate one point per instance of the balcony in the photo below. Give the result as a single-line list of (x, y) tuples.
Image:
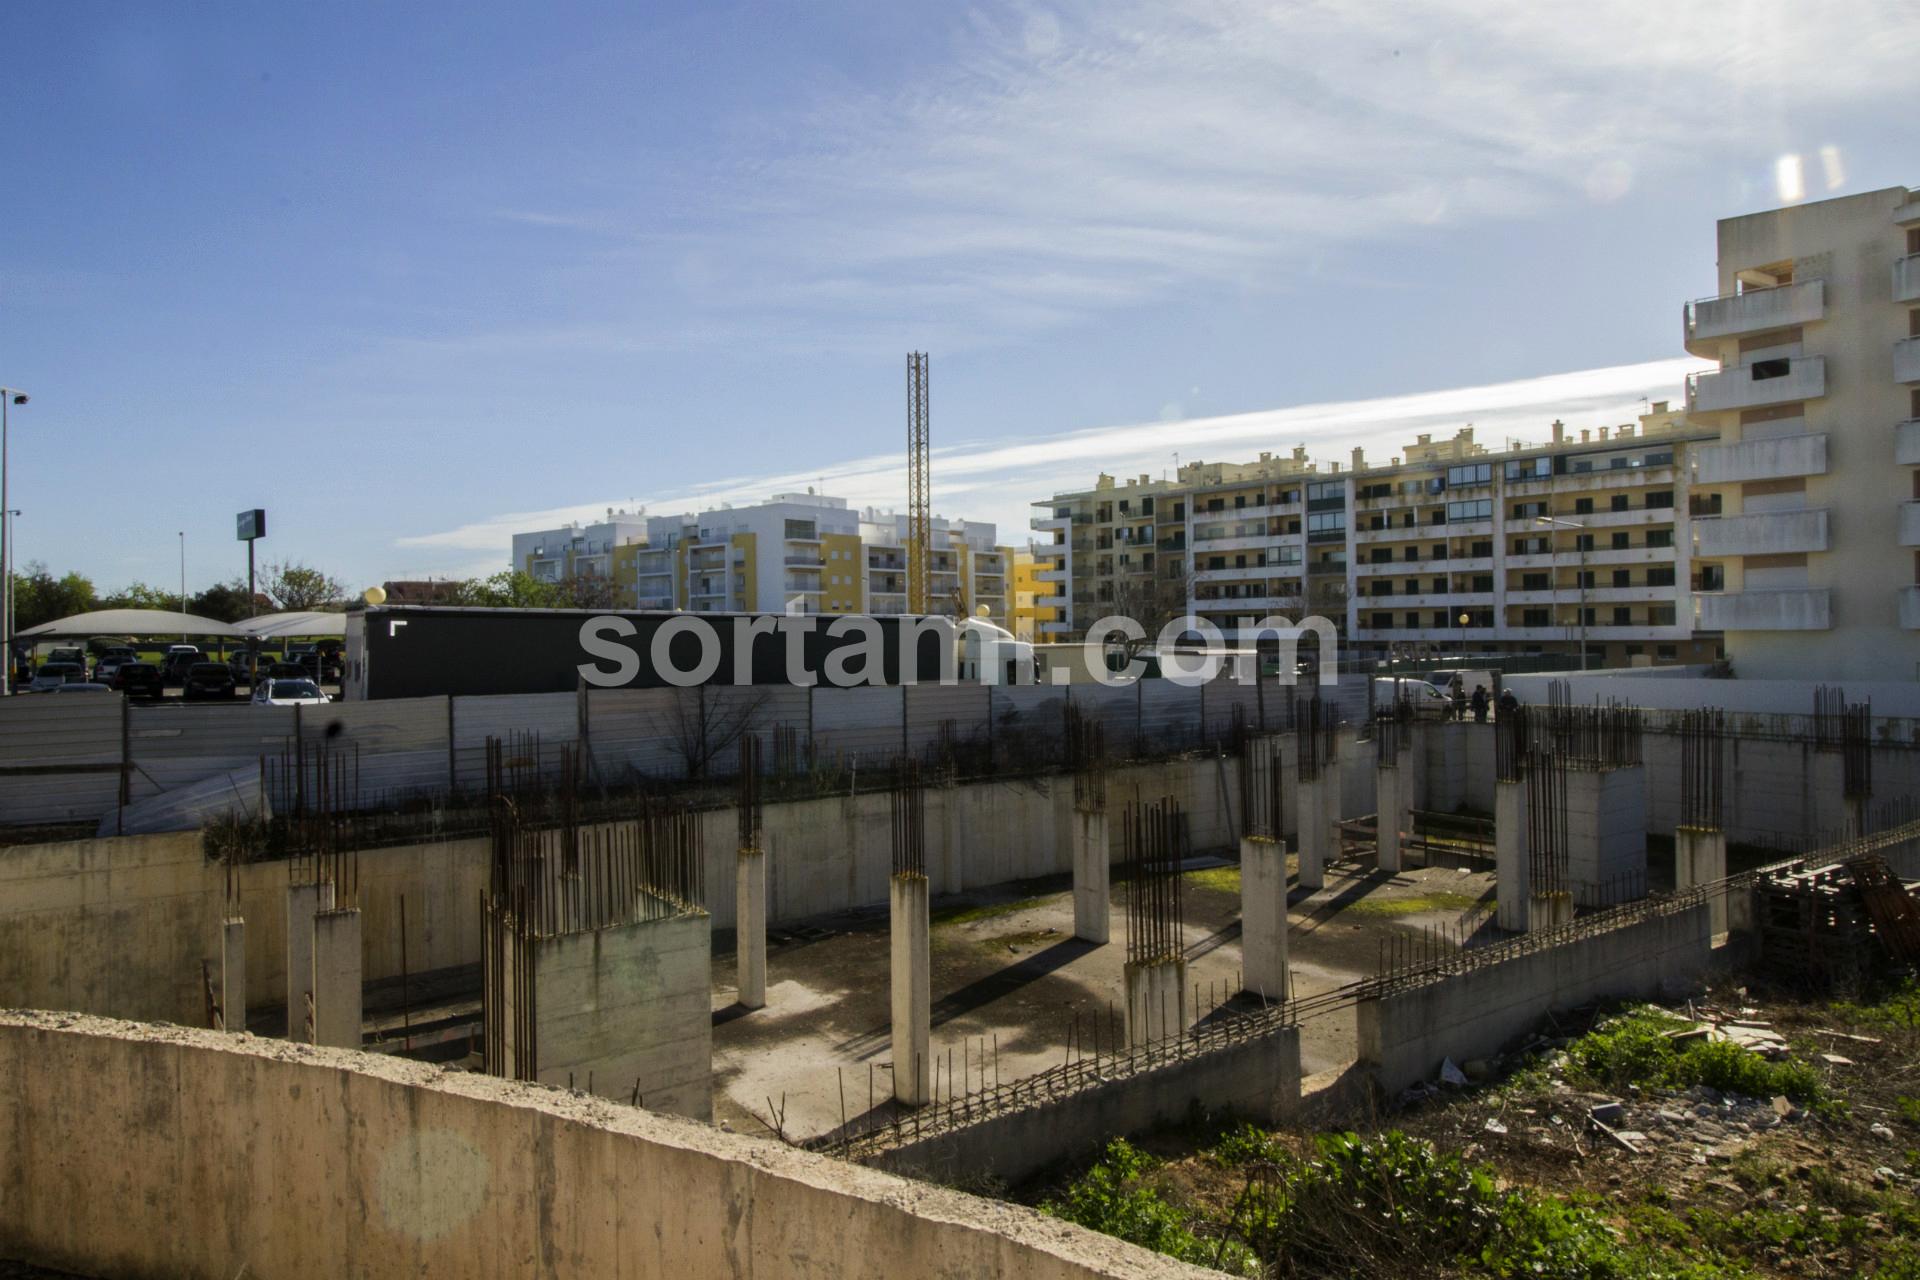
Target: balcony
[(1906, 443), (1906, 360), (1746, 386), (1910, 524), (1906, 279), (805, 562), (1910, 608), (1777, 459), (1806, 609), (1752, 311), (1767, 533)]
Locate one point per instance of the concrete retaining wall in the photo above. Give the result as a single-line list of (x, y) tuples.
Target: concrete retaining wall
[(1404, 1036), (1259, 1079), (119, 926), (137, 1151)]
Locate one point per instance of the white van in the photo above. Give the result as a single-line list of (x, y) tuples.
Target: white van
[(1429, 703)]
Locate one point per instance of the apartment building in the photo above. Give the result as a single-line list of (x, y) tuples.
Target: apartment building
[(603, 550), (801, 551), (1032, 605), (1582, 540), (1816, 329)]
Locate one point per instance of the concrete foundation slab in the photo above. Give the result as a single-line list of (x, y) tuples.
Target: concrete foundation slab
[(912, 1009), (1263, 916)]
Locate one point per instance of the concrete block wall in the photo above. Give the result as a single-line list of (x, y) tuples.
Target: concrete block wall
[(120, 1143), (629, 1006), (1404, 1036), (1606, 830), (1258, 1080)]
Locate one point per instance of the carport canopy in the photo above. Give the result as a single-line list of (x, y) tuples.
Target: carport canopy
[(138, 623), (307, 623)]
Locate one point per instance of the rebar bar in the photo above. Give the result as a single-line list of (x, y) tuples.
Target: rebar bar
[(1153, 845)]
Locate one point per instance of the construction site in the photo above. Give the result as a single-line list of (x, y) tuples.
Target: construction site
[(960, 950)]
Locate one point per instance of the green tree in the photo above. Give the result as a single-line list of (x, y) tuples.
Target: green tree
[(513, 589), (223, 601), (40, 597), (139, 595), (294, 587)]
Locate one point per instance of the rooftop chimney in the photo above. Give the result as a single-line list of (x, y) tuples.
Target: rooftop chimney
[(1603, 433), (1559, 431), (1584, 435), (1359, 459)]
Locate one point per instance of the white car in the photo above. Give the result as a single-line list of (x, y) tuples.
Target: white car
[(288, 693), (1428, 701)]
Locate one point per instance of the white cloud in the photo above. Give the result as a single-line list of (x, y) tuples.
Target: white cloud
[(1063, 160), (998, 479)]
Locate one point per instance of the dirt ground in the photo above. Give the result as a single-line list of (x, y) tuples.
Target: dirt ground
[(1012, 987)]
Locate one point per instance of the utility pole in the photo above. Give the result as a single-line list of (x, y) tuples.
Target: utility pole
[(8, 396)]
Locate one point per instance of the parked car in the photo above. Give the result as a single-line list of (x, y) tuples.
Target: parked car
[(69, 653), (174, 667), (285, 671), (103, 670), (208, 680), (52, 675), (85, 686), (182, 648), (288, 693), (139, 680), (1429, 703)]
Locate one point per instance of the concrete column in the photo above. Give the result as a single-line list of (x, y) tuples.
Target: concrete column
[(1263, 916), (1549, 910), (233, 974), (304, 901), (1513, 869), (336, 978), (1316, 829), (912, 998), (750, 925), (1091, 902), (1390, 813), (1700, 857), (1156, 992), (1606, 830)]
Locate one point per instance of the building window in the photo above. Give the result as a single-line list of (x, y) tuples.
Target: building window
[(1384, 621), (1764, 370), (1622, 577), (1530, 469), (1660, 615), (1583, 542), (1478, 509), (1660, 575), (1619, 502), (1660, 500), (1327, 526), (1582, 506), (1620, 541), (1528, 510), (1660, 537), (1533, 582), (1470, 474), (1535, 618)]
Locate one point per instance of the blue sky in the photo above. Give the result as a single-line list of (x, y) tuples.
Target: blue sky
[(403, 274)]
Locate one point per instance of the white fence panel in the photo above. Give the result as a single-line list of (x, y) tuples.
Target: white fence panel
[(858, 726), (75, 737)]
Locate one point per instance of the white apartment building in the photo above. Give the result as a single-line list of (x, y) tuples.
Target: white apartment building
[(811, 553), (1581, 540), (576, 550), (1808, 543)]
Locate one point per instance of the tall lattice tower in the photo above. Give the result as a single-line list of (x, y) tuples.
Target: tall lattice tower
[(919, 499)]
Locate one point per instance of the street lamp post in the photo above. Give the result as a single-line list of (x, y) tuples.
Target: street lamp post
[(6, 578), (1581, 546), (9, 396)]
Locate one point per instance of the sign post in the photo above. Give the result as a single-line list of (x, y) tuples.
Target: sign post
[(252, 526)]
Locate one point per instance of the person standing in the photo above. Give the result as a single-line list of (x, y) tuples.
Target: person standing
[(1480, 702)]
